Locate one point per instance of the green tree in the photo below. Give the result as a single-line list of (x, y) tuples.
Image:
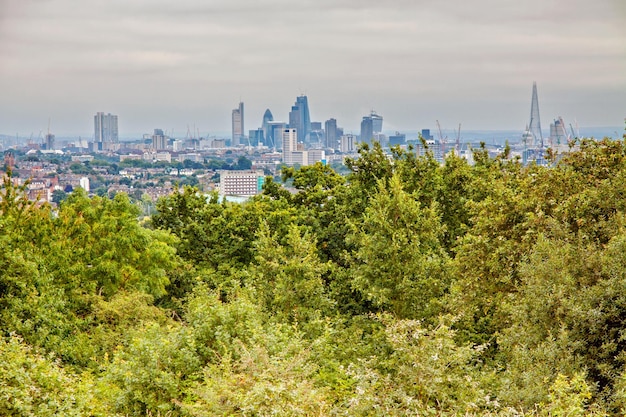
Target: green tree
[(400, 264), (289, 278), (58, 196)]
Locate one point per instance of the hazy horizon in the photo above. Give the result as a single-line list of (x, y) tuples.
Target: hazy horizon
[(158, 64)]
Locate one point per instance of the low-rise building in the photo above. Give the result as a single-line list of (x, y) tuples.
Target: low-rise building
[(243, 183)]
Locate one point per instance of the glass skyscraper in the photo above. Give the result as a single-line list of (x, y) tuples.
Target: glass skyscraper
[(370, 126), (300, 119)]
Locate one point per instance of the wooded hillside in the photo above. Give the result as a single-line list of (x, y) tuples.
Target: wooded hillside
[(406, 288)]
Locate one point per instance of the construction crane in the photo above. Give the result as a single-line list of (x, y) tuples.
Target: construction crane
[(571, 128), (48, 134), (442, 140), (458, 141)]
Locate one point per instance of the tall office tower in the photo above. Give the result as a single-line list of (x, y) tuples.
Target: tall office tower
[(275, 138), (371, 126), (256, 137), (330, 134), (316, 135), (267, 118), (377, 122), (159, 140), (300, 119), (367, 130), (237, 138), (105, 129), (535, 124), (290, 145)]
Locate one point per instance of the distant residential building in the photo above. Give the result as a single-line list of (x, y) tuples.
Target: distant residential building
[(39, 190), (184, 172), (159, 140), (238, 126), (105, 131), (135, 157), (9, 159), (426, 134), (178, 145), (49, 142), (241, 182), (194, 157), (218, 143), (82, 158), (157, 156), (84, 183)]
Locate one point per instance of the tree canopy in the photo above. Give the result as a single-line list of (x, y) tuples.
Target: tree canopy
[(406, 287)]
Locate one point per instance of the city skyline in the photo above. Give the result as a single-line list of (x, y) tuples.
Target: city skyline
[(185, 64)]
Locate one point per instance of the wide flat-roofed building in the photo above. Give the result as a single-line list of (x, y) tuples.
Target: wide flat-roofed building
[(241, 182)]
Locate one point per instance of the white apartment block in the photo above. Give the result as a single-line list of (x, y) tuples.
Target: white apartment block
[(293, 155), (315, 155), (346, 143), (241, 183)]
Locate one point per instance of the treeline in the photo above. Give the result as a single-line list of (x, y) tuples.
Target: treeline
[(406, 288)]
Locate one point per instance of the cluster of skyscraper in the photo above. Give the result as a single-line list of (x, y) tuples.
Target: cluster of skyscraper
[(533, 140), (308, 135)]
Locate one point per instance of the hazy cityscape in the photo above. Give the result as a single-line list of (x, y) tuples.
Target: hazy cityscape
[(158, 163), (313, 208)]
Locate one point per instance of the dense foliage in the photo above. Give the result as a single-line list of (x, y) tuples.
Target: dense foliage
[(408, 287)]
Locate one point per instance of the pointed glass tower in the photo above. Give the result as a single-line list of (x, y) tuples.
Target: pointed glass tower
[(535, 124)]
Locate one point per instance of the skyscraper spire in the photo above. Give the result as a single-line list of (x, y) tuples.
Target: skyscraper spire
[(535, 124)]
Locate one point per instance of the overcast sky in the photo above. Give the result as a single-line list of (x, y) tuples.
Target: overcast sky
[(175, 63)]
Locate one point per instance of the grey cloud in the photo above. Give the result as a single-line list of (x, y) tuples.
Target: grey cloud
[(349, 54)]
